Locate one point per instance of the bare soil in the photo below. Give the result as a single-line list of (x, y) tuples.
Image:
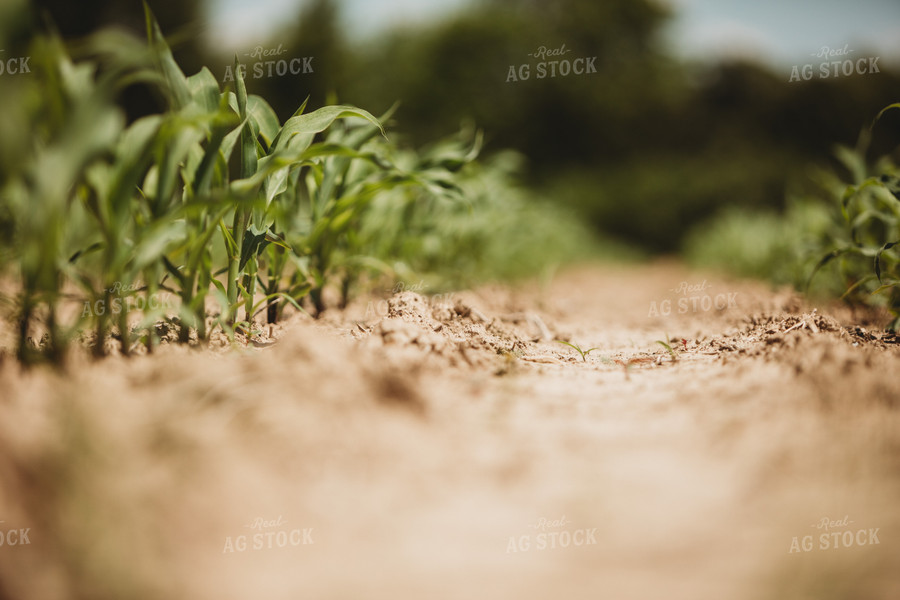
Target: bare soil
[(450, 447)]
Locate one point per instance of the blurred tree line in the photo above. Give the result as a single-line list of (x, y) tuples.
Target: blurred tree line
[(643, 145)]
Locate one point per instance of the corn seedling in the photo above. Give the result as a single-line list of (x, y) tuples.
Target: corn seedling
[(583, 353), (870, 207), (669, 349)]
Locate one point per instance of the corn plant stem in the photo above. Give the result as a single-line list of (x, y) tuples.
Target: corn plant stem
[(250, 286), (151, 276), (187, 301), (100, 342), (241, 220), (270, 288), (24, 352), (184, 332), (57, 342), (249, 164), (319, 262), (202, 334), (124, 332), (315, 295), (345, 289), (202, 276), (193, 272), (276, 268), (271, 310)]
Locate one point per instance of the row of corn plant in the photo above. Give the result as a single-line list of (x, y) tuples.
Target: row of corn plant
[(74, 126), (490, 229), (866, 253), (130, 221)]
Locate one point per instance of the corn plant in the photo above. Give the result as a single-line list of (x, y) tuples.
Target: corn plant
[(75, 124), (291, 161), (408, 180), (270, 159), (870, 207), (582, 353), (149, 198)]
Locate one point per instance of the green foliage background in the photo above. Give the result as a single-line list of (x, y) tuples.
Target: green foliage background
[(645, 149)]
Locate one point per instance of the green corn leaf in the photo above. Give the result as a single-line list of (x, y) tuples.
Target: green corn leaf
[(133, 157), (846, 198), (307, 125), (264, 117), (884, 110), (176, 82), (861, 283), (203, 240), (277, 240), (230, 244), (668, 348), (339, 222), (824, 261), (853, 161), (230, 141), (884, 249), (252, 245), (264, 302), (276, 183), (266, 167), (886, 286), (333, 149), (219, 287), (155, 241), (178, 141), (223, 124), (204, 90), (248, 139)]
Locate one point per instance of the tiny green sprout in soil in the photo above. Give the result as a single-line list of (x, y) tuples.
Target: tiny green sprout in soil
[(583, 353), (669, 348)]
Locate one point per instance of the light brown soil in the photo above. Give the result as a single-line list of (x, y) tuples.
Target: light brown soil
[(450, 448)]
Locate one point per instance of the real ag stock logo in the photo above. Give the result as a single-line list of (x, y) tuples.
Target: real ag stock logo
[(552, 64), (844, 66), (552, 535), (121, 297), (269, 535), (693, 299), (835, 534), (260, 67)]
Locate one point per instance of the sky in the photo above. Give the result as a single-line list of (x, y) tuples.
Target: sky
[(777, 32), (784, 32), (245, 22)]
